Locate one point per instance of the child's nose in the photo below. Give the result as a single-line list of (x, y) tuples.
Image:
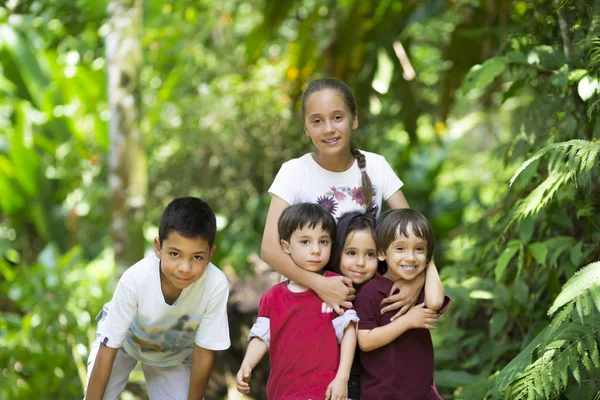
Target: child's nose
[(328, 126), (315, 249), (184, 266)]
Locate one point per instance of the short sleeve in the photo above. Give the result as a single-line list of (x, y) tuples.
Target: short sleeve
[(340, 323), (284, 184), (262, 330), (445, 306), (213, 331), (390, 183), (121, 312), (367, 308), (263, 306)]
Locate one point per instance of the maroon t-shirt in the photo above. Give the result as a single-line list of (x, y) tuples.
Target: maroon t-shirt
[(402, 369)]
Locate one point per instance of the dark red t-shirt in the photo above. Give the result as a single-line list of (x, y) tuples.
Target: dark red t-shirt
[(402, 369), (304, 352)]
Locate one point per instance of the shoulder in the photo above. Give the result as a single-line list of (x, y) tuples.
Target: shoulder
[(372, 289), (142, 270), (214, 278), (296, 162), (373, 157), (274, 293)]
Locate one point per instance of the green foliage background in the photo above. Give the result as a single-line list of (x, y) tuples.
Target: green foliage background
[(496, 138)]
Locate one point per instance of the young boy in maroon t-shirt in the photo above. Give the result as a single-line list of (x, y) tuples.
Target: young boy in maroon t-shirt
[(311, 348), (397, 357)]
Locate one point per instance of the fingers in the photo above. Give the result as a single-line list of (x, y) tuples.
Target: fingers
[(392, 298), (328, 393), (338, 310), (348, 282), (326, 308)]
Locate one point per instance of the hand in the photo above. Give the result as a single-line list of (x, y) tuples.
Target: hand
[(337, 292), (407, 296), (337, 389), (242, 379), (421, 317)]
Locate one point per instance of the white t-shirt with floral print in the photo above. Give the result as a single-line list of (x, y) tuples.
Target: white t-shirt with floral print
[(303, 180)]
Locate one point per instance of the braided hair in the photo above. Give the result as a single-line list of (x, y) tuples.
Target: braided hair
[(348, 98)]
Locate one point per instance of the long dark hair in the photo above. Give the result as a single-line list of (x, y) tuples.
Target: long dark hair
[(351, 222), (348, 98)]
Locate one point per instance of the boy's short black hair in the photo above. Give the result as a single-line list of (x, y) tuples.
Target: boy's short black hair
[(300, 215), (393, 223), (190, 217)]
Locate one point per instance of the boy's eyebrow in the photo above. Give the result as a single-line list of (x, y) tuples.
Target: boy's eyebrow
[(308, 236), (196, 252)]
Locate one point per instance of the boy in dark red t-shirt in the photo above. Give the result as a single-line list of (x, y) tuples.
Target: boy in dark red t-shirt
[(397, 357)]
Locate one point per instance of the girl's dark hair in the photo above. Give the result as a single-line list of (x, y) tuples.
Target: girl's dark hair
[(394, 223), (300, 215), (348, 98), (190, 217), (351, 222)]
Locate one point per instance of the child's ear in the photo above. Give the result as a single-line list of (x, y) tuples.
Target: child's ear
[(211, 252), (381, 256), (355, 122), (285, 246), (157, 247)]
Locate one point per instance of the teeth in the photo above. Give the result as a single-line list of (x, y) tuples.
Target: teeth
[(409, 267)]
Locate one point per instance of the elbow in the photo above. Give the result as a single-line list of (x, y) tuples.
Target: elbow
[(435, 303), (364, 345)]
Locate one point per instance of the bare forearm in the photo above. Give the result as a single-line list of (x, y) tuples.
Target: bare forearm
[(101, 372), (202, 363), (254, 353), (369, 340), (434, 291), (347, 349)]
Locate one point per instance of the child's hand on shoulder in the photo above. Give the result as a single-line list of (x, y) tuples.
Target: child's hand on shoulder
[(337, 389), (421, 317), (242, 378)]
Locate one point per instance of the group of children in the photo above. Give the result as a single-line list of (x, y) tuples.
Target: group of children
[(311, 348), (324, 232)]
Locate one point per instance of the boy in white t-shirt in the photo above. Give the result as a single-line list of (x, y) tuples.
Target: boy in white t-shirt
[(169, 312)]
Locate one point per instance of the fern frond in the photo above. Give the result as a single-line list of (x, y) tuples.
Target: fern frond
[(541, 195), (586, 278), (564, 352), (579, 153)]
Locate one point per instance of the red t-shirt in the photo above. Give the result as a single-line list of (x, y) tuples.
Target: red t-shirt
[(304, 351), (402, 369)]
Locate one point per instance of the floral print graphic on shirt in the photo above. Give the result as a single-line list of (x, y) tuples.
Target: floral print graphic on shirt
[(332, 198)]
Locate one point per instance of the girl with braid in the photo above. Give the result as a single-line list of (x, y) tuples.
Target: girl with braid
[(339, 177)]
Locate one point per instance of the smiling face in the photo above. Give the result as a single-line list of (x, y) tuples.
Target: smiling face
[(182, 261), (359, 258), (310, 248), (406, 257), (328, 122)]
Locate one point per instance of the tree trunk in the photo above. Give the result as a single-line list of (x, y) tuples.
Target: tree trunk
[(127, 175)]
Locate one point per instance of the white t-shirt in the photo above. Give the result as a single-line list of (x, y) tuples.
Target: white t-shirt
[(159, 334), (303, 180)]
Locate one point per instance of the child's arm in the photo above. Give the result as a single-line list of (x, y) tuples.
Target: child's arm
[(338, 388), (254, 353), (101, 372), (335, 291), (202, 363), (416, 317), (434, 291)]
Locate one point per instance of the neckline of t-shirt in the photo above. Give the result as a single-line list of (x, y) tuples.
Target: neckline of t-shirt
[(312, 159)]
